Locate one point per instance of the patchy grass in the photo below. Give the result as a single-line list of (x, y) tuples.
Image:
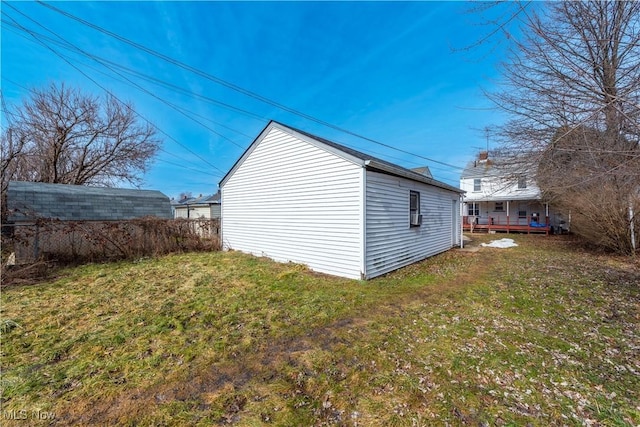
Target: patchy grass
[(541, 334)]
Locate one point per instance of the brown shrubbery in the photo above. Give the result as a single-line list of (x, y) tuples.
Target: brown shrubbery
[(31, 249)]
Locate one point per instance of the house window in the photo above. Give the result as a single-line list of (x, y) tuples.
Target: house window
[(477, 184), (474, 209), (415, 219), (522, 214), (499, 207), (522, 182)]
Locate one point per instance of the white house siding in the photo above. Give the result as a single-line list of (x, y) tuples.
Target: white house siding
[(390, 242), (192, 212), (496, 188), (292, 201), (215, 211)]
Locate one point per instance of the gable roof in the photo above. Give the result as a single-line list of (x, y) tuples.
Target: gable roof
[(30, 200), (369, 162), (478, 169), (498, 165), (423, 170)]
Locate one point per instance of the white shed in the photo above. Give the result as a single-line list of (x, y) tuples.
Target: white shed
[(293, 196)]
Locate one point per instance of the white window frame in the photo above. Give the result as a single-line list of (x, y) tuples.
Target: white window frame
[(522, 182), (473, 209), (414, 206)]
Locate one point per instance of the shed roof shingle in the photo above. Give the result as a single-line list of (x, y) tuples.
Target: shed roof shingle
[(28, 200)]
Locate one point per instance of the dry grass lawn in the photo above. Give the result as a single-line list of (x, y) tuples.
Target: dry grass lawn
[(541, 334)]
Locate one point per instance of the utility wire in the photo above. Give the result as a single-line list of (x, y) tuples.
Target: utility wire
[(154, 80), (232, 86), (188, 167), (70, 46), (170, 104), (111, 94)]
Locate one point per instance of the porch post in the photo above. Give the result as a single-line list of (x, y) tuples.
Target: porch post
[(508, 217), (546, 211)]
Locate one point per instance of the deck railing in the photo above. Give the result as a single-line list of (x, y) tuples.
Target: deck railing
[(530, 224)]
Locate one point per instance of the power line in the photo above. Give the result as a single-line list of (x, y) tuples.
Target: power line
[(102, 61), (111, 94), (186, 167), (183, 110), (91, 56), (67, 45), (232, 86)]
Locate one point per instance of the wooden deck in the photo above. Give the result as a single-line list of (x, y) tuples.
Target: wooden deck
[(493, 226)]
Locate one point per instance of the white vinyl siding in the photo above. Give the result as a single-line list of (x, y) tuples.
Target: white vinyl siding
[(197, 212), (215, 211), (290, 200), (390, 242), (498, 188), (180, 212)]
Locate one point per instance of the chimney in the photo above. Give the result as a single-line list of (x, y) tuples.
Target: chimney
[(484, 155)]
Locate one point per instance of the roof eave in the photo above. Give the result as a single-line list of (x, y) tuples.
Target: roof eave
[(413, 176)]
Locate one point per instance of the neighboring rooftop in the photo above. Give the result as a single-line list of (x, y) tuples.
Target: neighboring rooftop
[(30, 200), (423, 170), (212, 199), (493, 164)]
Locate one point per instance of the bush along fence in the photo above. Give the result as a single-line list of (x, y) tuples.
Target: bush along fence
[(64, 242)]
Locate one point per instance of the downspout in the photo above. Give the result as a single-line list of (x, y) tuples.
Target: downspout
[(363, 216), (363, 197), (461, 220), (220, 230)]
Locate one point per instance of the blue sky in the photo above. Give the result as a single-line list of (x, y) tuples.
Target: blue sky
[(391, 71)]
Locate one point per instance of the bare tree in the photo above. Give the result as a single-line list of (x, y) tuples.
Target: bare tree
[(60, 135), (572, 88)]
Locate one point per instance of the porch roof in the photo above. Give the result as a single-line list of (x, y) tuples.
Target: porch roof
[(506, 198)]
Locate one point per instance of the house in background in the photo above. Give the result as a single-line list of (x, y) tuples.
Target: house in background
[(293, 196), (27, 201), (207, 207), (505, 198)]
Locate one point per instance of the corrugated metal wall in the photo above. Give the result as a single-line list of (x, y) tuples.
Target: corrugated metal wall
[(390, 242), (292, 201)]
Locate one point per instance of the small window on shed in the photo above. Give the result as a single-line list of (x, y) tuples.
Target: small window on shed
[(477, 184), (415, 219)]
